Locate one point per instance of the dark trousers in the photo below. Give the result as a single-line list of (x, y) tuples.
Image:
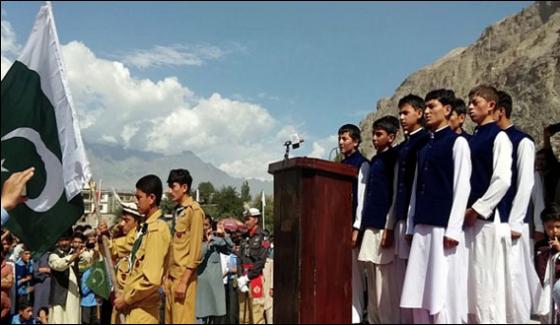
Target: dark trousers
[(89, 315), (232, 306)]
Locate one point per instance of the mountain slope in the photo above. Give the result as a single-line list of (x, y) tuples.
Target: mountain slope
[(519, 54), (121, 168)]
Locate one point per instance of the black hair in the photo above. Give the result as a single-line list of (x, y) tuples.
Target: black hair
[(352, 130), (413, 100), (485, 91), (388, 123), (505, 102), (181, 176), (459, 106), (550, 213), (444, 96), (79, 234), (45, 309), (23, 305), (151, 184)]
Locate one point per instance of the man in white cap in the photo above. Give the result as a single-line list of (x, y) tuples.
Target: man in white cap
[(121, 246), (253, 254)]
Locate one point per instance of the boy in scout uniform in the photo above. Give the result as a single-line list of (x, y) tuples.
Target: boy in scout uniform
[(120, 247), (185, 251), (140, 300)]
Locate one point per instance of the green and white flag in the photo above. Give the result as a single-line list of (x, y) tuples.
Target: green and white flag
[(39, 128), (98, 280)]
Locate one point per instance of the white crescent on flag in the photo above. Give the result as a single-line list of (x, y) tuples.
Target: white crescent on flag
[(54, 186)]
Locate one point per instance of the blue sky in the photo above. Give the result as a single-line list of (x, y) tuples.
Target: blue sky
[(291, 66)]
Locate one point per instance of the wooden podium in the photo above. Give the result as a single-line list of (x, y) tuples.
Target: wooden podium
[(312, 241)]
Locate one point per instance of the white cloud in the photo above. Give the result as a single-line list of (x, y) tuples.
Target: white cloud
[(113, 106), (128, 132), (323, 148), (174, 55), (9, 45)]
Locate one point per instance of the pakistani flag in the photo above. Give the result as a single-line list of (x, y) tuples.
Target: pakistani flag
[(98, 280), (40, 129)]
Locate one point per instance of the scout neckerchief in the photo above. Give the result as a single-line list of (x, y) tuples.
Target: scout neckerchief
[(177, 212), (138, 242)]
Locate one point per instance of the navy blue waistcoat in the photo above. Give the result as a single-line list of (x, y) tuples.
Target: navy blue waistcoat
[(482, 158), (465, 135), (379, 189), (408, 154), (356, 159), (504, 207), (434, 184)]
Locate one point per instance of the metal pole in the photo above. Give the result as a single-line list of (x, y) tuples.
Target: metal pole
[(263, 204), (106, 252)]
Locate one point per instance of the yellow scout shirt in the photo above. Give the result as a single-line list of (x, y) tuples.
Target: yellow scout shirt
[(146, 274), (186, 245), (120, 249)]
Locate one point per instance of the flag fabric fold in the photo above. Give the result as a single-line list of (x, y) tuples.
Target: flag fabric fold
[(40, 128)]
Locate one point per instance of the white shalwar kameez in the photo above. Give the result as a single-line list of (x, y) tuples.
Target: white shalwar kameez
[(71, 312), (357, 266), (435, 285), (489, 244), (525, 281)]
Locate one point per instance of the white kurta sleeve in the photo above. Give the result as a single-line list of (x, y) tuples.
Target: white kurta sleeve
[(392, 215), (501, 177), (59, 263), (525, 181), (537, 196), (362, 181), (412, 206), (461, 187)]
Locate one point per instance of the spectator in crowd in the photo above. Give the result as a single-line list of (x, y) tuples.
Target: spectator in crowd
[(88, 302), (25, 315), (43, 315), (24, 278), (42, 283), (65, 296), (7, 284), (210, 296), (551, 168)]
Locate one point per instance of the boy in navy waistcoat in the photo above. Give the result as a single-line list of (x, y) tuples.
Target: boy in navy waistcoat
[(383, 303), (457, 118), (411, 117), (435, 286), (349, 139), (487, 231), (515, 205)]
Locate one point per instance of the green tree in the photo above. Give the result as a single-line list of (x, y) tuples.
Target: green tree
[(228, 202), (166, 205), (245, 192), (206, 190)]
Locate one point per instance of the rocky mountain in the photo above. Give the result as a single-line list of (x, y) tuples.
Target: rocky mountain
[(519, 54), (121, 168)]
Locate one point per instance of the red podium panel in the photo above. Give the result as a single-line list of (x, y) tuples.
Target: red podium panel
[(312, 241)]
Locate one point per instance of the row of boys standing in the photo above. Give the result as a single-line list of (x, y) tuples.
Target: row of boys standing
[(151, 257), (434, 217)]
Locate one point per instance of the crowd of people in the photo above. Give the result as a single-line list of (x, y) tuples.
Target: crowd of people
[(191, 270), (451, 227), (448, 227)]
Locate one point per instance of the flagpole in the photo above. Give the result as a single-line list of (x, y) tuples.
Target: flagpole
[(263, 204), (106, 252)]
